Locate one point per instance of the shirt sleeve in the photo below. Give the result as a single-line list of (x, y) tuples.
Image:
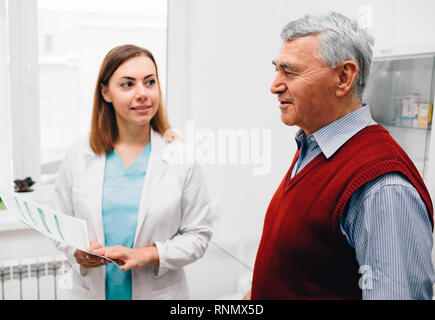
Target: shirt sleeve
[(388, 225)]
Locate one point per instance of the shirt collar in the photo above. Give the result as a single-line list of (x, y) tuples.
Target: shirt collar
[(331, 137)]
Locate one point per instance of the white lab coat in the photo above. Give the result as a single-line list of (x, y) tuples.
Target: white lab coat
[(175, 214)]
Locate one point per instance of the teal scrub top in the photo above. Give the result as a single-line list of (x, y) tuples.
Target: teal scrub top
[(122, 192)]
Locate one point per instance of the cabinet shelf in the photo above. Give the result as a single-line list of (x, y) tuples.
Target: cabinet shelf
[(400, 89), (393, 125)]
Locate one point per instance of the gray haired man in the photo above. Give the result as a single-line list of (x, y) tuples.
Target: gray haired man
[(352, 218)]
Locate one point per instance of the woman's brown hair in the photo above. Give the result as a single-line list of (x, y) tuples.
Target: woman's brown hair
[(104, 129)]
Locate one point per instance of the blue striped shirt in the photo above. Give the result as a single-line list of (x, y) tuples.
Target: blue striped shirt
[(385, 221)]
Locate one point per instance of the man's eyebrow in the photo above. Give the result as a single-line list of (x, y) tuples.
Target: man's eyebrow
[(284, 65)]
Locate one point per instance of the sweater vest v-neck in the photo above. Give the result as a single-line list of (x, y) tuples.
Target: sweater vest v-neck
[(302, 252)]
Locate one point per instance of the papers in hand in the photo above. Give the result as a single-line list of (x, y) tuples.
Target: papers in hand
[(103, 257), (63, 228)]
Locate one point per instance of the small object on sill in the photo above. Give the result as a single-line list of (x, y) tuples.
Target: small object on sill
[(24, 185)]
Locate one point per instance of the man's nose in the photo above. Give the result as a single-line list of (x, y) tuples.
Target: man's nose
[(278, 85)]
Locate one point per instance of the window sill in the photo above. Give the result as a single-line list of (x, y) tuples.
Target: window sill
[(8, 222), (42, 194)]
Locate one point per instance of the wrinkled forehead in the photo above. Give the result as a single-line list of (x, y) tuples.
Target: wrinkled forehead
[(302, 50)]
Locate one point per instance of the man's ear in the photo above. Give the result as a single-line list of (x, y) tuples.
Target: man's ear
[(347, 73), (105, 93)]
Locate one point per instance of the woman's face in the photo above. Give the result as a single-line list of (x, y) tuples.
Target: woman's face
[(133, 91)]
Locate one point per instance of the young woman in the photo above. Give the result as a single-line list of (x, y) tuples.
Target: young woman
[(152, 215)]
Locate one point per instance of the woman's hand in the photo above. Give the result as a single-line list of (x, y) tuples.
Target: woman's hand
[(87, 260), (131, 258)]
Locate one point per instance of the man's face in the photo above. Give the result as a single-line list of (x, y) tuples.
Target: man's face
[(304, 85)]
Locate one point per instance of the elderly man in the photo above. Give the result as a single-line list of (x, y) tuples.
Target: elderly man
[(352, 218)]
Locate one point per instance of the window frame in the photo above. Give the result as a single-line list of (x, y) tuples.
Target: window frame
[(5, 117), (19, 128)]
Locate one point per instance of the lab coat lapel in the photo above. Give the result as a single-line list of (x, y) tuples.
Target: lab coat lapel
[(95, 180), (154, 174)]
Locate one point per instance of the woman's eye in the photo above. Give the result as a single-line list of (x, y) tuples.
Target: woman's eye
[(150, 82), (126, 84)]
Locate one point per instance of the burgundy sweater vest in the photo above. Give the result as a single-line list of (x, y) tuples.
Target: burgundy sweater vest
[(302, 252)]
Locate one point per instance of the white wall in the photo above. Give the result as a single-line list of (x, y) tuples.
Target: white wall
[(220, 71), (227, 75)]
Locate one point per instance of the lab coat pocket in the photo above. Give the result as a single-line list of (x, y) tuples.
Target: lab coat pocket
[(80, 288), (79, 293), (167, 293)]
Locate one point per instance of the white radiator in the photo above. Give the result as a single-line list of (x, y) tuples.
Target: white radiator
[(224, 272), (35, 278)]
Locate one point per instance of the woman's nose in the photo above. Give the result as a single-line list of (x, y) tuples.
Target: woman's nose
[(141, 91)]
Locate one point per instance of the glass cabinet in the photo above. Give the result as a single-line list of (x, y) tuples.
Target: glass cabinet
[(400, 94)]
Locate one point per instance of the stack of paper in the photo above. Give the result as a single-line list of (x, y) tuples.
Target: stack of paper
[(52, 224)]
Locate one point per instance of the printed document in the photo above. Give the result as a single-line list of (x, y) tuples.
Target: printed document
[(52, 224)]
